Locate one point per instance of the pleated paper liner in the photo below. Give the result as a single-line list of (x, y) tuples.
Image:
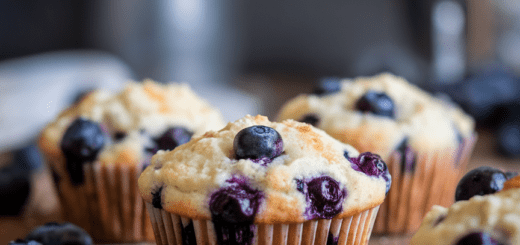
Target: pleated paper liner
[(413, 193), (107, 205), (169, 229)]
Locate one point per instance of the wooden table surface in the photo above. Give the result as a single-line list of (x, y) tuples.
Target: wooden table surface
[(42, 206)]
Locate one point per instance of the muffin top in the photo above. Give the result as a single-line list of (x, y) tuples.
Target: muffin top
[(382, 107), (489, 219), (264, 172), (127, 127)]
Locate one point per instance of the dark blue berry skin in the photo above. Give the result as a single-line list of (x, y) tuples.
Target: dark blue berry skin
[(236, 203), (327, 85), (188, 235), (311, 119), (408, 157), (508, 135), (257, 142), (377, 103), (14, 190), (60, 234), (510, 175), (478, 238), (24, 242), (156, 198), (372, 165), (331, 240), (480, 181), (81, 143), (233, 210), (173, 137), (324, 196), (28, 158)]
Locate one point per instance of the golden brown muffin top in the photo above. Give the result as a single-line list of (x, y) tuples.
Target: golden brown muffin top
[(428, 123), (131, 119), (200, 178), (495, 216)]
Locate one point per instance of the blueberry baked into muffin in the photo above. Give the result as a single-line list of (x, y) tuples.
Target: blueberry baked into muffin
[(426, 141), (487, 211), (262, 182), (98, 147)]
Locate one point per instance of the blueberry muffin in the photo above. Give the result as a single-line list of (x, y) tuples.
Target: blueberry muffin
[(98, 147), (426, 141), (262, 182), (486, 212)]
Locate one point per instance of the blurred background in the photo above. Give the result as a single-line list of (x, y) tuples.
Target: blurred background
[(249, 57)]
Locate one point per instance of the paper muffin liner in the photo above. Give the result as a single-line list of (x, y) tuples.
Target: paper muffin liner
[(413, 193), (107, 204), (169, 229)]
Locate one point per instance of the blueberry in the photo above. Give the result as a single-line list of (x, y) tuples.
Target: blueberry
[(372, 165), (14, 190), (118, 136), (510, 175), (156, 198), (173, 137), (28, 158), (60, 234), (81, 143), (325, 196), (408, 157), (24, 242), (377, 103), (327, 85), (257, 142), (188, 234), (478, 238), (236, 203), (480, 181), (331, 240), (311, 119), (508, 135)]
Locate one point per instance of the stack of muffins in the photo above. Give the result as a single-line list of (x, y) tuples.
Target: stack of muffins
[(318, 175)]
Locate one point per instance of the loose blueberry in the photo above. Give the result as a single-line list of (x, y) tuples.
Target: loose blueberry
[(257, 142), (188, 235), (28, 158), (377, 103), (14, 190), (327, 85), (508, 135), (173, 137), (326, 197), (60, 234), (236, 203), (372, 165), (81, 143), (478, 238), (311, 119), (480, 181), (408, 157), (156, 198), (510, 175), (24, 242), (331, 240)]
